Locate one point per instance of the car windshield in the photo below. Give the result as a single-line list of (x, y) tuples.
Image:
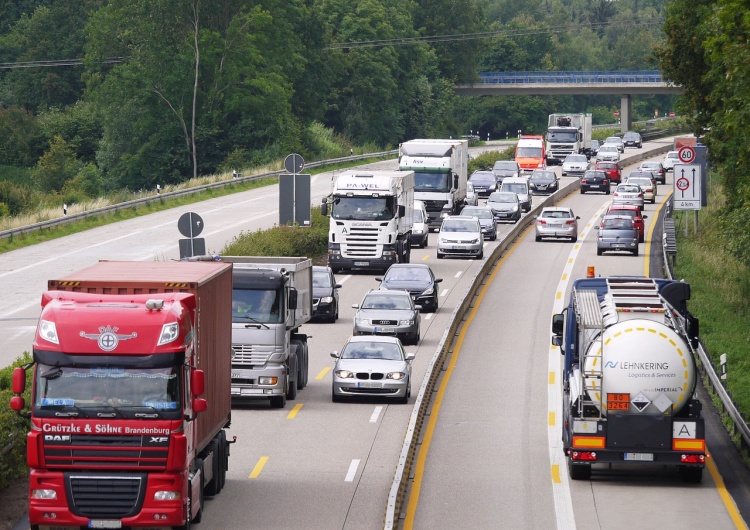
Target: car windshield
[(631, 136), (594, 175), (503, 197), (380, 301), (321, 279), (483, 178), (508, 166), (417, 216), (650, 165), (623, 211), (625, 188), (546, 175), (672, 154), (639, 181), (459, 226), (613, 140), (479, 213), (576, 158), (606, 166), (399, 274), (372, 350), (608, 148), (556, 214), (529, 152), (515, 188)]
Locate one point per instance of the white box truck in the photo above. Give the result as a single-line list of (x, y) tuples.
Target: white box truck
[(567, 134), (440, 175), (371, 219)]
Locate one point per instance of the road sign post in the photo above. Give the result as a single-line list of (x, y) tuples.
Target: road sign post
[(686, 154)]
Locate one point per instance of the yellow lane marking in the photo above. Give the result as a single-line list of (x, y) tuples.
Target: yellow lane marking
[(734, 514), (552, 377), (294, 411), (551, 419), (425, 257), (556, 474), (258, 467), (650, 236), (323, 373)]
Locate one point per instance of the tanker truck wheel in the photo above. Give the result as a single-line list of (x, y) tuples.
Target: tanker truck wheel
[(692, 475), (578, 471)]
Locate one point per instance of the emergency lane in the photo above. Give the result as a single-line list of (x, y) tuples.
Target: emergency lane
[(493, 441)]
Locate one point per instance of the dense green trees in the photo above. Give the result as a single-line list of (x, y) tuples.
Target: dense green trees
[(169, 90)]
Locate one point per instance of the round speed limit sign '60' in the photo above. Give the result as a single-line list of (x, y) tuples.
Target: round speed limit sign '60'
[(686, 154)]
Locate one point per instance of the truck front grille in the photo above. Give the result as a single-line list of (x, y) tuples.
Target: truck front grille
[(434, 206), (249, 355), (104, 496), (106, 452)]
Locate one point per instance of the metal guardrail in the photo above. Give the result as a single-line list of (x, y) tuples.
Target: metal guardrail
[(739, 425), (624, 77), (177, 193)]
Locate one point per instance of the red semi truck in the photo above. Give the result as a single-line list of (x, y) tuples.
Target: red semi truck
[(131, 395)]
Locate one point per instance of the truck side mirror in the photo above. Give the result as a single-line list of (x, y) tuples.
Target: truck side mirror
[(402, 211), (558, 324), (199, 405), (292, 298), (324, 206), (198, 382), (19, 380), (455, 181)]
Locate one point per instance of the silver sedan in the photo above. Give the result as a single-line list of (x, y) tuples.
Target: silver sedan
[(388, 313), (372, 367)]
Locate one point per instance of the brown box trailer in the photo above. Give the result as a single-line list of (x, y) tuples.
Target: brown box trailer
[(211, 283)]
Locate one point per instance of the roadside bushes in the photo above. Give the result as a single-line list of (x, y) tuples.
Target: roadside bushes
[(13, 428)]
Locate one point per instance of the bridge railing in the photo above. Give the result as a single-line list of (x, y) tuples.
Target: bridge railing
[(634, 76)]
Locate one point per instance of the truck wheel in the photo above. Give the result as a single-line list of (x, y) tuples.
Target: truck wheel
[(291, 393), (278, 402), (302, 364), (692, 475), (578, 471)]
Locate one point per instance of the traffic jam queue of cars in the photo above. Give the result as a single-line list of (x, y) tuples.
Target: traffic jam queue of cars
[(374, 363)]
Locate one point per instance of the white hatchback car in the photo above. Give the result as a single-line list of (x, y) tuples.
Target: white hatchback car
[(670, 160), (460, 235), (575, 165), (608, 153)]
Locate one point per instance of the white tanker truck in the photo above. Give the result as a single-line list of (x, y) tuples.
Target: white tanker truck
[(629, 376)]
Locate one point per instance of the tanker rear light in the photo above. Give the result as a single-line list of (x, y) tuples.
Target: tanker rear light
[(693, 459), (632, 310), (583, 456)]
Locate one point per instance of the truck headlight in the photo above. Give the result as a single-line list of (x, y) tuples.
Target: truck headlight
[(166, 495), (169, 333), (48, 331), (267, 380), (44, 494)]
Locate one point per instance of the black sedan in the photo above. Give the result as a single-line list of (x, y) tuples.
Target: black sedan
[(325, 294), (543, 181), (484, 182), (632, 139), (417, 279), (595, 181)]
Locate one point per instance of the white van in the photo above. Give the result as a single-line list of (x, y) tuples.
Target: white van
[(420, 228), (519, 186)]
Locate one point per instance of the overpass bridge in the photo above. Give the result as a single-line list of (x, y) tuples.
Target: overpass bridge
[(622, 83)]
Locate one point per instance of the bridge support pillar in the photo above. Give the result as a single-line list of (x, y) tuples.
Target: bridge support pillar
[(626, 113)]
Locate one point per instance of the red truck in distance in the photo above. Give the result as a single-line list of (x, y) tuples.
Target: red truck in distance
[(131, 395)]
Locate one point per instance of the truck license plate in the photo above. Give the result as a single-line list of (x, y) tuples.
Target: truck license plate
[(641, 457), (104, 523), (361, 263)]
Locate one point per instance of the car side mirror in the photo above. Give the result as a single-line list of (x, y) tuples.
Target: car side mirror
[(355, 306), (644, 216), (410, 357), (378, 279), (335, 354), (337, 286)]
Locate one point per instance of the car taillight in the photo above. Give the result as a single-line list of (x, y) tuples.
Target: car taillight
[(640, 195), (541, 221), (570, 222)]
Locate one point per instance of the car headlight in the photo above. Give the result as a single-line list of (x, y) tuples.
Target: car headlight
[(362, 321), (428, 291), (396, 375), (514, 209), (473, 241), (406, 322), (344, 374), (417, 231), (327, 299)]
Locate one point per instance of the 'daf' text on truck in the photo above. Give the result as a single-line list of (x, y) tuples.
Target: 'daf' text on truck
[(130, 395), (371, 219), (630, 376), (271, 299), (440, 175)]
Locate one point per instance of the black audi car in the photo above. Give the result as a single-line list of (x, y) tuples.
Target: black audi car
[(543, 181), (484, 182), (417, 279)]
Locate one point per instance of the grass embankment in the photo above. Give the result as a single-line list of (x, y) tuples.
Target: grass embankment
[(720, 294)]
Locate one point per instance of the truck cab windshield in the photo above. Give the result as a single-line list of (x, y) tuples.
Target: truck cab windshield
[(363, 208), (88, 390), (257, 305), (562, 136), (437, 182)]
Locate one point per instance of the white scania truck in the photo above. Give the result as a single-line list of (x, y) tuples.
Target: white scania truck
[(371, 219), (440, 175), (629, 376), (567, 134)]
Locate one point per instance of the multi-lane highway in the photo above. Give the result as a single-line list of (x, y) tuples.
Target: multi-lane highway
[(491, 452)]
